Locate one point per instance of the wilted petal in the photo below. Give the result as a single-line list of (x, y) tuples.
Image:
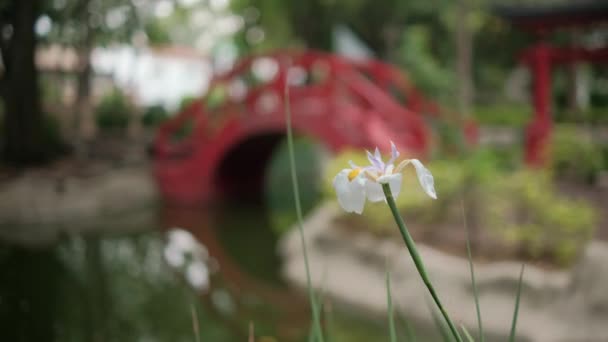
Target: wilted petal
[(425, 178), (351, 194)]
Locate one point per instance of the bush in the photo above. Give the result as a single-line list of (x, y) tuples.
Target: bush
[(278, 183), (575, 155), (448, 178), (526, 211), (518, 210), (113, 111), (53, 141), (154, 116), (593, 115), (514, 115)]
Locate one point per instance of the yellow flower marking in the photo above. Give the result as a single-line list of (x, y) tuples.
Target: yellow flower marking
[(353, 174)]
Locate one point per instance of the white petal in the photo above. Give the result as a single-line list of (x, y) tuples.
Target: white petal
[(425, 178), (373, 191), (351, 194), (394, 182)]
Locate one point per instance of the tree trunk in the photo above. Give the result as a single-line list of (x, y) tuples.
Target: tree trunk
[(84, 122), (464, 49), (24, 141)]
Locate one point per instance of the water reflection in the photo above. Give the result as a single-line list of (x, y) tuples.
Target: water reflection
[(244, 249), (98, 288), (220, 262)]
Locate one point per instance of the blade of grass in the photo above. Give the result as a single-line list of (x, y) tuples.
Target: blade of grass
[(466, 334), (194, 315), (411, 247), (329, 320), (391, 317), (516, 311), (410, 334), (446, 336), (472, 269), (296, 195)]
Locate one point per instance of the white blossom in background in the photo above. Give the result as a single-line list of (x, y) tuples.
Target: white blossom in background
[(183, 252), (356, 184)]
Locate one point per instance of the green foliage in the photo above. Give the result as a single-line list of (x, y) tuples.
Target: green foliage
[(111, 289), (448, 176), (513, 115), (575, 155), (423, 66), (525, 210), (593, 115), (186, 101), (518, 208), (278, 182), (113, 111), (82, 22), (516, 310), (51, 137), (157, 33), (154, 115)]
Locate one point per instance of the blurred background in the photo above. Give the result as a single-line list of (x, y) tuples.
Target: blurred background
[(145, 188)]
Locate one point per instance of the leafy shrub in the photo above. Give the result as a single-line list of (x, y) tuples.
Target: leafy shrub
[(526, 211), (154, 115), (378, 219), (113, 111), (517, 209), (514, 115), (575, 155), (593, 115), (51, 135), (278, 184)]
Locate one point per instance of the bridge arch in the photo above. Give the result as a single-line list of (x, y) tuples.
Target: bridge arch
[(346, 107)]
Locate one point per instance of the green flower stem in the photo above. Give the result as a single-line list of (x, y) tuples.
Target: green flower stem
[(411, 247), (316, 319)]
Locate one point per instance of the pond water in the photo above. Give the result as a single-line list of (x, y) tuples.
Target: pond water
[(121, 287), (134, 287)]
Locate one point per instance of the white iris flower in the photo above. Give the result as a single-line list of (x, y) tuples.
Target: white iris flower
[(353, 185)]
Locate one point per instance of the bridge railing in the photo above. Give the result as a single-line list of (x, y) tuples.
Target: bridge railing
[(381, 91)]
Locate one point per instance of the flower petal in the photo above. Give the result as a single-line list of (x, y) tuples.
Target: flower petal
[(394, 182), (425, 178), (394, 153), (376, 161), (373, 191), (351, 195)]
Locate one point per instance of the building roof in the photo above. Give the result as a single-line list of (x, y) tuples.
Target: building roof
[(554, 15)]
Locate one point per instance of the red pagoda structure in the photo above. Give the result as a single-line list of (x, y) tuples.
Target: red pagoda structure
[(542, 57)]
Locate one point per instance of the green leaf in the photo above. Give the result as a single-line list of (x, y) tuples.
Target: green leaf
[(410, 334), (516, 311), (316, 320), (391, 317), (474, 283), (443, 330), (466, 334)]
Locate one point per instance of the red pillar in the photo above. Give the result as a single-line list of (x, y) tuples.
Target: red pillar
[(538, 132)]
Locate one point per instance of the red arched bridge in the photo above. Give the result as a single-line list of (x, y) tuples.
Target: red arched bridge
[(222, 142)]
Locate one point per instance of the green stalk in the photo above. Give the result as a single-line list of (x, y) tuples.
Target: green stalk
[(411, 247), (296, 194), (516, 311), (472, 271), (391, 313)]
